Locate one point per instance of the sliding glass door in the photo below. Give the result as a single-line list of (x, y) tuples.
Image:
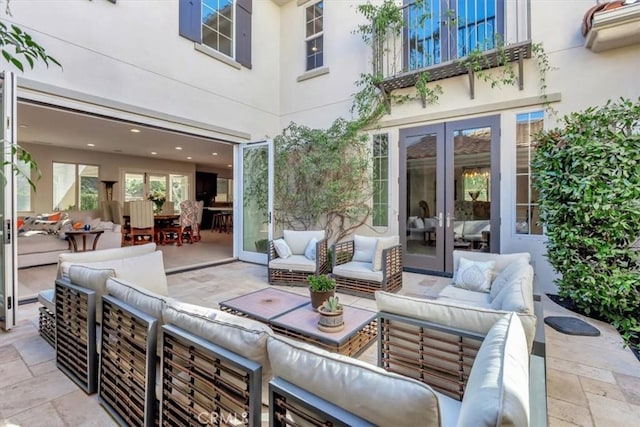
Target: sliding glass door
[(449, 191), (8, 266), (254, 175)]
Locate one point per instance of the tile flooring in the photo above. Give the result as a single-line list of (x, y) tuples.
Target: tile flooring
[(591, 381)]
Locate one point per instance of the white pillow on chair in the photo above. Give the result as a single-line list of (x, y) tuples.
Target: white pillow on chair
[(364, 248), (310, 250), (282, 249)]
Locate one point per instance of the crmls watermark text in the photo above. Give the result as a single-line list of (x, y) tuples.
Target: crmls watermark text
[(218, 419)]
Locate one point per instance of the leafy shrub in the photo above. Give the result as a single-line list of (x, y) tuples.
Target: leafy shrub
[(588, 177)]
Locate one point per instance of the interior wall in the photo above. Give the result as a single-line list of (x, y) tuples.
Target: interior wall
[(111, 164)]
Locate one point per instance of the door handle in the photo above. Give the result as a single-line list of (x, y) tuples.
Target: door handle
[(439, 218), (449, 219)]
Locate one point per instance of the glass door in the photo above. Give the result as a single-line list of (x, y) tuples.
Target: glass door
[(449, 191), (8, 268), (254, 178), (422, 197)]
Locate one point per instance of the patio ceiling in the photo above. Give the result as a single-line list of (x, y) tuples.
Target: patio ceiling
[(62, 128)]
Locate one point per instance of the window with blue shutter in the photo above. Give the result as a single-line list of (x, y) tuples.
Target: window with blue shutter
[(222, 25)]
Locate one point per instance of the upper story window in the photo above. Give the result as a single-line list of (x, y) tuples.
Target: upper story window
[(217, 25), (438, 33), (224, 26), (314, 36), (527, 211)]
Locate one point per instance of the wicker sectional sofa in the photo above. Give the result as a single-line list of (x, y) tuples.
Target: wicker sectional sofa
[(164, 361)]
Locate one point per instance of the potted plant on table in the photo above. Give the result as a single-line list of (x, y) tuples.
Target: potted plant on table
[(331, 315), (320, 289)]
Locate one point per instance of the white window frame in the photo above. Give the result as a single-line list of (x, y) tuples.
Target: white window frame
[(233, 32), (387, 179), (78, 186), (317, 35)]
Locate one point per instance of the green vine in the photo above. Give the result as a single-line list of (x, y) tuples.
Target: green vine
[(427, 94), (544, 67), (478, 62)]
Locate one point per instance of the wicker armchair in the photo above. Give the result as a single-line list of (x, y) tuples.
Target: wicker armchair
[(294, 269), (359, 277)]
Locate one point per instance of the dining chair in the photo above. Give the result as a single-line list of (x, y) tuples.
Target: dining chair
[(168, 208), (141, 222), (199, 209), (189, 220)]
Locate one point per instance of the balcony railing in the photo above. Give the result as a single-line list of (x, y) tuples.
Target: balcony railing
[(439, 34)]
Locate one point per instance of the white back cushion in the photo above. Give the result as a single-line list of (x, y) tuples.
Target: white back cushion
[(497, 392), (502, 260), (382, 244), (298, 240), (94, 279), (240, 335), (383, 398), (145, 271), (103, 255)]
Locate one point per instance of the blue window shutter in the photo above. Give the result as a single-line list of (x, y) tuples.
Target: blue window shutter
[(243, 32), (190, 20)]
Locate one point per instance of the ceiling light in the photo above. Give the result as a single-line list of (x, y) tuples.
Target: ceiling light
[(189, 158), (91, 145), (314, 49), (178, 148), (23, 126), (154, 153), (230, 166), (134, 130), (215, 154)]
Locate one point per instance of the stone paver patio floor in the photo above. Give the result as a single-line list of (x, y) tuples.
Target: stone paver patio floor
[(591, 381)]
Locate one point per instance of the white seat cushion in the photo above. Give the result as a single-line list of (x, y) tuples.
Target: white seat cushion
[(358, 270), (453, 293), (449, 410), (370, 392), (293, 263)]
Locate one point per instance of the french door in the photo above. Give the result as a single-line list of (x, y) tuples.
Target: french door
[(449, 191), (253, 223), (8, 268)]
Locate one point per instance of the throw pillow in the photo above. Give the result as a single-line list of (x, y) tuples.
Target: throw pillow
[(282, 249), (474, 275), (382, 244), (363, 248), (310, 250)]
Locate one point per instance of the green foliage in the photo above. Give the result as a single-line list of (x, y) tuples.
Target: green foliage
[(427, 94), (478, 62), (331, 305), (383, 20), (588, 177), (321, 283), (17, 45), (322, 178)]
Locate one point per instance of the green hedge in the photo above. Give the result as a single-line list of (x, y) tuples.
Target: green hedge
[(588, 175)]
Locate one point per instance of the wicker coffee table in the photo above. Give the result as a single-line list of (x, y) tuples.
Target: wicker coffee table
[(291, 315)]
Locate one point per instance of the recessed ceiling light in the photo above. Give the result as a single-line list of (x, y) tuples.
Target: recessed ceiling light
[(134, 130), (189, 158), (154, 153), (215, 154), (91, 145), (178, 148), (230, 166), (23, 126)]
